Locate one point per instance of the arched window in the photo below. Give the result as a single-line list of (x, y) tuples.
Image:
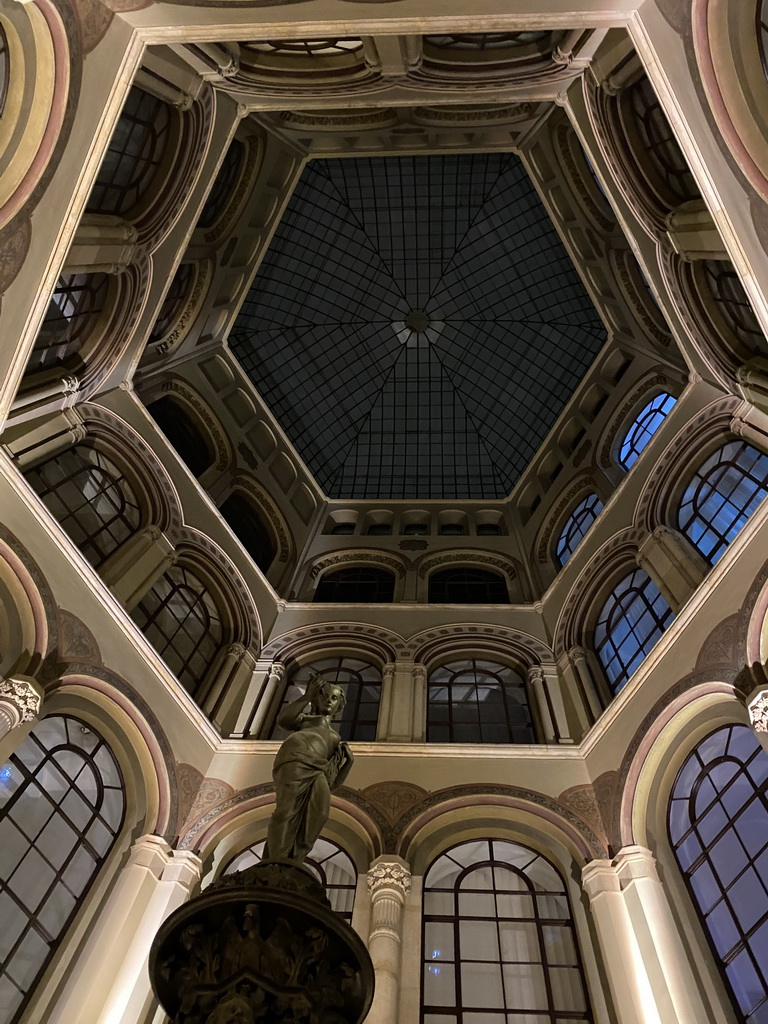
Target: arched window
[(725, 287), (467, 586), (75, 305), (473, 701), (718, 827), (629, 625), (91, 499), (331, 865), (499, 946), (173, 302), (223, 185), (576, 526), (658, 142), (361, 683), (721, 496), (63, 802), (180, 619), (361, 585), (643, 427), (248, 526), (134, 155), (183, 433)]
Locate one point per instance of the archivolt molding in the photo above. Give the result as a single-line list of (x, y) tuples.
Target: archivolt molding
[(567, 146), (468, 558), (37, 623), (106, 690), (575, 829), (619, 418), (166, 505), (252, 163), (617, 553), (272, 512), (582, 485), (702, 430), (383, 643), (752, 626), (642, 305), (361, 557), (195, 547), (180, 329), (221, 443), (426, 647)]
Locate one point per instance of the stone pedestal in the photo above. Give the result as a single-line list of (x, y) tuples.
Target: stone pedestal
[(261, 945)]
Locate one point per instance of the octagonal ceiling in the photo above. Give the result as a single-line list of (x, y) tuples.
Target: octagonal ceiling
[(416, 325)]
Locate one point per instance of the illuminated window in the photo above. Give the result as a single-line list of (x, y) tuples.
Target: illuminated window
[(576, 527), (361, 683), (62, 804), (91, 499), (629, 625), (718, 827), (467, 586), (360, 585), (478, 702), (721, 496), (331, 865), (644, 426), (180, 619), (499, 946)]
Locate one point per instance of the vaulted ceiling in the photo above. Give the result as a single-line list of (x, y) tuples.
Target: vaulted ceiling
[(416, 325)]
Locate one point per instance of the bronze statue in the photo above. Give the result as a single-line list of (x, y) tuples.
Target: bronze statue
[(310, 763)]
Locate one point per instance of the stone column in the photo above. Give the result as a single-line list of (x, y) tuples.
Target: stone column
[(674, 565), (137, 564), (648, 968), (401, 715), (389, 882), (109, 983), (693, 233), (266, 680), (578, 662), (544, 680), (757, 706), (751, 426), (30, 444), (103, 243), (229, 687)]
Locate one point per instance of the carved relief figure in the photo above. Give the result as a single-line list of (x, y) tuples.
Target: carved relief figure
[(310, 763)]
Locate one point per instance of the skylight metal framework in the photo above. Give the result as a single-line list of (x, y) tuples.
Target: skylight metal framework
[(500, 329)]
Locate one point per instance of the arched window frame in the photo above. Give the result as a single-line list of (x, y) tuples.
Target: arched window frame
[(638, 434), (357, 674), (78, 311), (326, 859), (48, 856), (583, 514), (711, 835), (194, 419), (550, 927), (443, 725), (210, 609), (89, 540), (613, 632), (270, 540), (377, 576), (175, 298), (490, 588), (232, 168), (709, 536)]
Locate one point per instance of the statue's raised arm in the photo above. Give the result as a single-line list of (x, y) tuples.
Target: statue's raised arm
[(310, 763)]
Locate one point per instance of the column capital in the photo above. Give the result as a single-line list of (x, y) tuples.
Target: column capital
[(389, 875), (599, 876), (184, 868), (757, 706), (633, 862), (151, 852), (22, 696)]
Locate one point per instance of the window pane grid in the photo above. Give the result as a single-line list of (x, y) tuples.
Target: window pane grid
[(181, 621), (659, 142), (722, 495), (467, 586), (90, 498), (629, 625), (643, 428), (501, 948), (134, 154), (727, 290), (356, 586), (718, 827), (478, 702), (331, 865), (361, 683), (576, 527), (76, 303), (62, 801)]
